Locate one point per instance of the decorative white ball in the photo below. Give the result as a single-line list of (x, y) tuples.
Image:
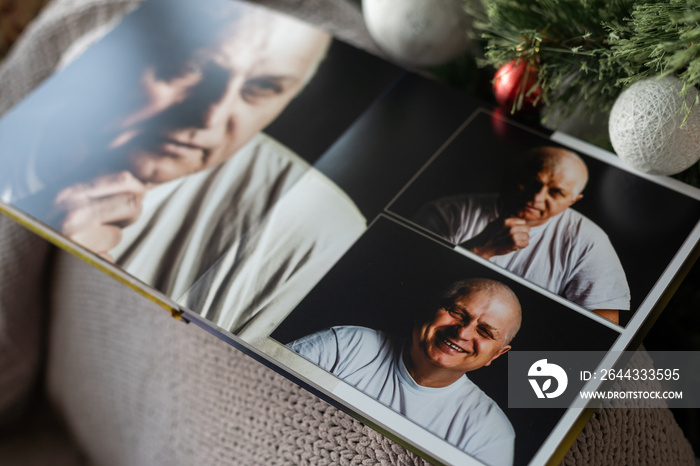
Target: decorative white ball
[(418, 32), (645, 127)]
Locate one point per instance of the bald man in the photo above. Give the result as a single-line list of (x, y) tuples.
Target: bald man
[(423, 376), (529, 229), (165, 170)]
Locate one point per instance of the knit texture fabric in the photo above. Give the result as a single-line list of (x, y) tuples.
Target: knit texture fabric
[(138, 387), (135, 387), (639, 436), (21, 307), (635, 434)]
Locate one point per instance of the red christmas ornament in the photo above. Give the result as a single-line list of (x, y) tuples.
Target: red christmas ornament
[(512, 84)]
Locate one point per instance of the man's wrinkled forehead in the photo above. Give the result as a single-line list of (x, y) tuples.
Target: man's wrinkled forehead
[(278, 45), (504, 312), (550, 161)]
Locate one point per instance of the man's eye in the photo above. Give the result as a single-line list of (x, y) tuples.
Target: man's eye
[(257, 89), (486, 333), (460, 317), (556, 192)]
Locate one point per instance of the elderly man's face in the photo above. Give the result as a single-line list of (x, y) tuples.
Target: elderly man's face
[(539, 195), (213, 103), (468, 335)]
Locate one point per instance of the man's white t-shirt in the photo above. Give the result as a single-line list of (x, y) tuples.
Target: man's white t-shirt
[(250, 236), (568, 255), (460, 413)]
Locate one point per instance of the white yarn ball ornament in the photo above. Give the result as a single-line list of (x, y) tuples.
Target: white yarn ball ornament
[(645, 127), (418, 32)]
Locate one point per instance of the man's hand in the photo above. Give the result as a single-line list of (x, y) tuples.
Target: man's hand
[(94, 213), (611, 314), (500, 237)]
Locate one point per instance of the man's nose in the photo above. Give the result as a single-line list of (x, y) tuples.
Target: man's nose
[(222, 109), (467, 335), (541, 195), (219, 108), (467, 331), (212, 102)]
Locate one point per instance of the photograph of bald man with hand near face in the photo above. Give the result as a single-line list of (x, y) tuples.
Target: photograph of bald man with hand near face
[(529, 229), (156, 159)]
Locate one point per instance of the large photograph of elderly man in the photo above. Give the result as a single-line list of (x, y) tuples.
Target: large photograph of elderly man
[(150, 150), (567, 222)]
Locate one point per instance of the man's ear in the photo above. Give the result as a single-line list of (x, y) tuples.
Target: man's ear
[(576, 199), (500, 352)]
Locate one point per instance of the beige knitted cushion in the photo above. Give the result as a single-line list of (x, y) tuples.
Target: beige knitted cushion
[(631, 437), (21, 307), (138, 388)]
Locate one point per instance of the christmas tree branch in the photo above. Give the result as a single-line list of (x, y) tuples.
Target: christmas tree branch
[(588, 50)]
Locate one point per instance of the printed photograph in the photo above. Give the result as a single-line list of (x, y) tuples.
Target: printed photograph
[(590, 232), (426, 331), (182, 144)]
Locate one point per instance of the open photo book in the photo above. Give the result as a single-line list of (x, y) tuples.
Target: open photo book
[(381, 239)]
